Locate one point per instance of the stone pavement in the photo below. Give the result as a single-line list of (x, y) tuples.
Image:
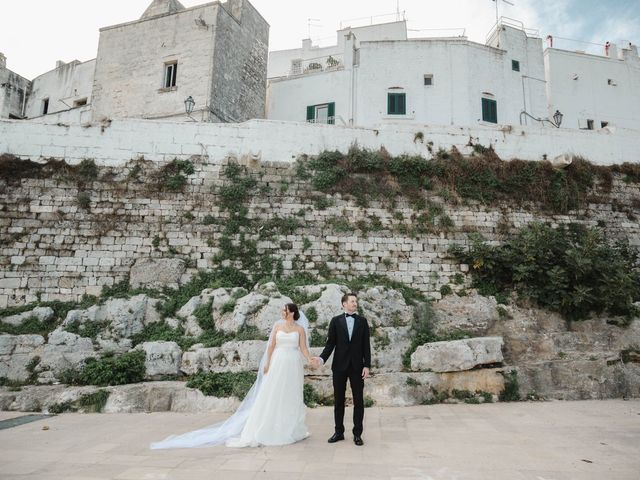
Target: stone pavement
[(513, 441)]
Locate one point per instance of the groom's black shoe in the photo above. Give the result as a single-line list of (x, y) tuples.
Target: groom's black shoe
[(336, 437), (357, 439)]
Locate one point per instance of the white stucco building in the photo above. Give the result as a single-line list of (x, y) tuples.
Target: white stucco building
[(376, 75), (595, 91), (64, 88)]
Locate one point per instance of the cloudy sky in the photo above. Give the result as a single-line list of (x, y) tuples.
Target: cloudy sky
[(36, 33)]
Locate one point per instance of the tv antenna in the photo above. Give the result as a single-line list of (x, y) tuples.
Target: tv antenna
[(496, 2), (312, 22)]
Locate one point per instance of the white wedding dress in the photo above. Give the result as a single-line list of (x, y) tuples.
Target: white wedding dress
[(278, 414), (273, 411)]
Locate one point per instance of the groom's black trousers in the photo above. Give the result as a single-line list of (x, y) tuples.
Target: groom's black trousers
[(339, 391)]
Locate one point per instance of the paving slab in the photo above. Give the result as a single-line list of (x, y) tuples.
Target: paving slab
[(554, 440)]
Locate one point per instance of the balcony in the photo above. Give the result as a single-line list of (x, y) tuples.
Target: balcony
[(327, 63)]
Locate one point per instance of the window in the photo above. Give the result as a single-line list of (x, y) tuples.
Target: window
[(396, 104), (428, 79), (170, 74), (515, 65), (489, 110), (296, 66), (612, 82), (80, 103), (45, 106), (589, 124), (604, 124), (321, 113)]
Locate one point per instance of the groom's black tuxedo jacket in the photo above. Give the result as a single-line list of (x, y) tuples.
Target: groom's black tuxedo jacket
[(356, 352)]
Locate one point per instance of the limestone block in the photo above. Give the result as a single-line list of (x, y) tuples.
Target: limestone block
[(229, 357), (457, 355), (157, 272), (265, 314), (41, 313), (385, 306), (473, 313), (16, 351), (126, 316), (162, 358), (329, 304), (65, 350)]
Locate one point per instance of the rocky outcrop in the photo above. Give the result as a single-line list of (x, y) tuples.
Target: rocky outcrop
[(16, 353), (457, 355), (161, 358), (230, 357), (551, 357), (43, 314)]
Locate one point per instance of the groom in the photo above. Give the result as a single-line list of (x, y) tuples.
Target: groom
[(349, 336)]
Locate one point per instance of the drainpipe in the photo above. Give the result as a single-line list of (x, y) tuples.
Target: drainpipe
[(24, 103)]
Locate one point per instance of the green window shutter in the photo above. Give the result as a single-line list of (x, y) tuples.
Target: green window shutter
[(402, 104), (489, 110), (332, 112), (311, 112), (396, 104)]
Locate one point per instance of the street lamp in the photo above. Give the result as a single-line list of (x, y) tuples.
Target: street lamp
[(557, 118), (189, 103)]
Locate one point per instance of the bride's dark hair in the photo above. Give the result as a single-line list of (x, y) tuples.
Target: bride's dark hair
[(293, 308)]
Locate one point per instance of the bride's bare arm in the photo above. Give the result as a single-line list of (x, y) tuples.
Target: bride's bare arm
[(270, 348), (303, 344)]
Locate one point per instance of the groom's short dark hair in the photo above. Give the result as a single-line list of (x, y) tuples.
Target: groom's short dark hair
[(346, 296)]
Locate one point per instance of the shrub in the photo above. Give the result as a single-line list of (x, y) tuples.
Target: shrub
[(317, 339), (511, 392), (311, 397), (226, 384), (94, 402), (31, 325), (482, 177), (115, 370), (571, 269), (83, 200)]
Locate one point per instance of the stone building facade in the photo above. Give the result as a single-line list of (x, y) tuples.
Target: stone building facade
[(214, 53), (14, 90)]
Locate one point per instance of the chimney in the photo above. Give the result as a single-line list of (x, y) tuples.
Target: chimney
[(3, 60), (59, 63)]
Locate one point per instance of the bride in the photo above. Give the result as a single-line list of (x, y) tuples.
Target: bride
[(273, 412)]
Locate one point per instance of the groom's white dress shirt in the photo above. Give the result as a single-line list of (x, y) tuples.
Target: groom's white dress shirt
[(350, 322)]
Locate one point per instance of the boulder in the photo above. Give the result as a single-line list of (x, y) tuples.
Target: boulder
[(329, 304), (385, 307), (457, 355), (64, 351), (41, 313), (125, 316), (229, 357), (162, 358), (267, 314), (473, 313), (16, 352)]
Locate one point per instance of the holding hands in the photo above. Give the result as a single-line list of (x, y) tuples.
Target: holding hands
[(315, 362)]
